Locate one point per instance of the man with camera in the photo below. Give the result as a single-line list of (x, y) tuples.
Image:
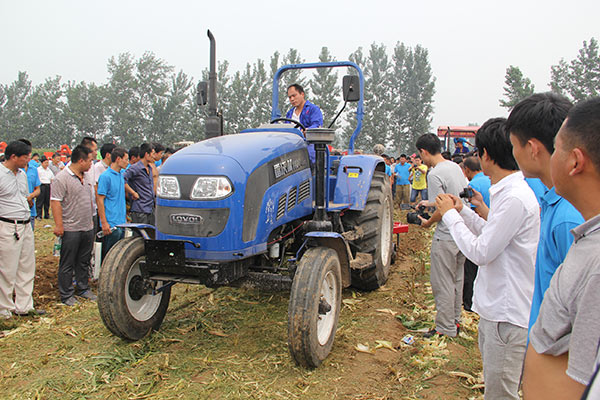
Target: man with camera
[(504, 247), (446, 259)]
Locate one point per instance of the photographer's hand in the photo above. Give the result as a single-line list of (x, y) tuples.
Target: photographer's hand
[(444, 203), (458, 204), (480, 207)]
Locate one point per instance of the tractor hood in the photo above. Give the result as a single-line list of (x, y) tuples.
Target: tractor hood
[(248, 150)]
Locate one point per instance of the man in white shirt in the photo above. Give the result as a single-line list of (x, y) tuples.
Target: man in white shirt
[(46, 176), (504, 247)]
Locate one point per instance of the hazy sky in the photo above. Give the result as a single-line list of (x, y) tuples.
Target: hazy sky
[(470, 43)]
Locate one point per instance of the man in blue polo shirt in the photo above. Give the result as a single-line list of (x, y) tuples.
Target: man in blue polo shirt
[(402, 171), (532, 125), (111, 199), (33, 182)]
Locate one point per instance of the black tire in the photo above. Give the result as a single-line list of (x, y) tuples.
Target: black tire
[(376, 223), (125, 314), (310, 334)]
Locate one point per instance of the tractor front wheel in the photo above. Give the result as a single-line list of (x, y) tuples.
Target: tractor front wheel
[(314, 307), (129, 305)]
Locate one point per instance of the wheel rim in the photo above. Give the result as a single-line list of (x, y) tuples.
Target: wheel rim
[(147, 305), (386, 234), (325, 322)]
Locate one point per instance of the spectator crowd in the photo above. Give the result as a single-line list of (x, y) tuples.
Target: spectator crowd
[(86, 197)]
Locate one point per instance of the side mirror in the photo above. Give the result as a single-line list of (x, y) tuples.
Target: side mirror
[(351, 88), (202, 94)]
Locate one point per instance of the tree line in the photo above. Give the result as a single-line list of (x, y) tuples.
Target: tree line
[(145, 99), (577, 79)]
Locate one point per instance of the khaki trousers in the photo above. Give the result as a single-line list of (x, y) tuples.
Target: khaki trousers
[(17, 267), (402, 194)]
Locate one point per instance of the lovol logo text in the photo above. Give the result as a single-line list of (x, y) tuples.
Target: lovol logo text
[(185, 219)]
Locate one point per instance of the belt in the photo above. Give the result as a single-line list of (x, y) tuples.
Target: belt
[(15, 221)]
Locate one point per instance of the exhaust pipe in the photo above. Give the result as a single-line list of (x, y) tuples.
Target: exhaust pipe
[(214, 121)]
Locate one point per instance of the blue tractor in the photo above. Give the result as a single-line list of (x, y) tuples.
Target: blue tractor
[(252, 207)]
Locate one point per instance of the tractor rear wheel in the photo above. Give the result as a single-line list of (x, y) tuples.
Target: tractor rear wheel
[(376, 224), (126, 302), (314, 307)]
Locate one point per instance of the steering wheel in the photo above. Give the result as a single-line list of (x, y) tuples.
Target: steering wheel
[(293, 121)]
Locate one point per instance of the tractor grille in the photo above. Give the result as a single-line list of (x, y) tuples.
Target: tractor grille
[(281, 206), (304, 191), (197, 222), (292, 198)]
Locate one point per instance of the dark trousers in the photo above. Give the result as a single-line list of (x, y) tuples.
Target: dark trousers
[(142, 218), (110, 240), (43, 201), (75, 254), (470, 275)]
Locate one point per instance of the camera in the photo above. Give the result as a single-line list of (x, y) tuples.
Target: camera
[(413, 217), (467, 193)]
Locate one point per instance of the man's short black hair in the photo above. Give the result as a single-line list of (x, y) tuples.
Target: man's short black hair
[(145, 148), (134, 152), (493, 138), (429, 142), (158, 147), (107, 148), (539, 116), (55, 155), (446, 155), (87, 141), (402, 155), (35, 155), (457, 158), (17, 148), (27, 142), (583, 128), (118, 152), (169, 150), (296, 86), (43, 158), (472, 163), (80, 152)]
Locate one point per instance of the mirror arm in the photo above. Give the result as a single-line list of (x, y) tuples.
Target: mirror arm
[(338, 114)]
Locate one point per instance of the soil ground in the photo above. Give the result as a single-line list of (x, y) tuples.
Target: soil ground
[(230, 343)]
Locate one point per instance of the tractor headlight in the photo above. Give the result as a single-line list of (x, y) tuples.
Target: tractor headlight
[(168, 187), (211, 188)]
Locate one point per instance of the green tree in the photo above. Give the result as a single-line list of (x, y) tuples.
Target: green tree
[(580, 78), (123, 108), (325, 89), (377, 98), (46, 123), (13, 109), (152, 85), (412, 87), (85, 110), (517, 87)]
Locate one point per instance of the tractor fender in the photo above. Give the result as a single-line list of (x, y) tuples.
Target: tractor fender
[(335, 241), (354, 177), (145, 230)]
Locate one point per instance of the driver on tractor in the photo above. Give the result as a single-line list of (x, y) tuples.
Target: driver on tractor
[(305, 112), (302, 110)]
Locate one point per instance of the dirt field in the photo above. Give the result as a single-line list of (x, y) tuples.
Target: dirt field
[(230, 343)]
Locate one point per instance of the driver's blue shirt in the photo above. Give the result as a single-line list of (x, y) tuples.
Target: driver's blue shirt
[(311, 115)]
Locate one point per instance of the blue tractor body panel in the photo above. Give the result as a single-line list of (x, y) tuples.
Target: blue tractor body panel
[(272, 185), (354, 180)]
